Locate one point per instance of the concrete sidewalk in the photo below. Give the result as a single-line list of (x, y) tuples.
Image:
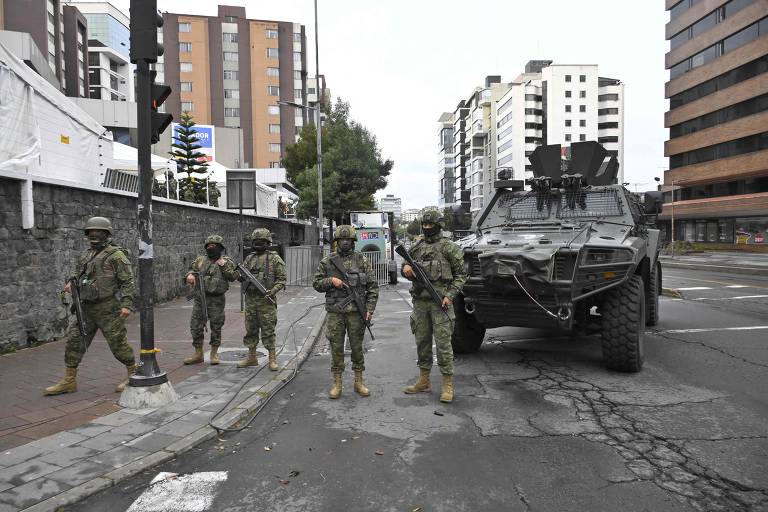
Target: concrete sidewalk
[(721, 261), (95, 443)]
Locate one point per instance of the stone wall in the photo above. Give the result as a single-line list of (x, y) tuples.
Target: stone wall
[(37, 261)]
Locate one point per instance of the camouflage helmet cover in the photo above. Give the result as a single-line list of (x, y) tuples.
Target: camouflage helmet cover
[(101, 223), (261, 234), (214, 239), (345, 231), (433, 217)]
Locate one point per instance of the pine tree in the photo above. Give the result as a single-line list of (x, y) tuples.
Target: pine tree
[(189, 160)]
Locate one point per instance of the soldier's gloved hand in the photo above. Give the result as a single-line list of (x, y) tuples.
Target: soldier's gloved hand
[(191, 279), (368, 316), (68, 287), (408, 272), (336, 282), (446, 302), (272, 294), (221, 262), (125, 313)]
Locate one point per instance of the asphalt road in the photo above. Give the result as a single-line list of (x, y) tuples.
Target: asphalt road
[(538, 425)]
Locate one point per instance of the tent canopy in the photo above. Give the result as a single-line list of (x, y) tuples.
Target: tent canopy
[(125, 158)]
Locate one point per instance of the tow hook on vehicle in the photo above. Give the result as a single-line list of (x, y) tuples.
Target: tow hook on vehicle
[(469, 307), (565, 315)]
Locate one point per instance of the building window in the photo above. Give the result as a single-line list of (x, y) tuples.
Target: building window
[(185, 67), (232, 94), (567, 137), (185, 47), (608, 97), (297, 74), (186, 86), (187, 106), (274, 148), (567, 122), (607, 111), (567, 94), (185, 27), (231, 75), (272, 53), (231, 112), (230, 37), (567, 78), (582, 108), (271, 33), (273, 110), (274, 128), (582, 137), (273, 71), (297, 94), (582, 122), (297, 37), (567, 108), (274, 165), (582, 78), (296, 56), (582, 94), (603, 140), (231, 56), (230, 19), (607, 126), (273, 90)]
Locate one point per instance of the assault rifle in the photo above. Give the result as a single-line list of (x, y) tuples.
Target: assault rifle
[(198, 290), (251, 279), (77, 306), (422, 278), (359, 304)]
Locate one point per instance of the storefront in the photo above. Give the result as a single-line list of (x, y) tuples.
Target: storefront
[(749, 230)]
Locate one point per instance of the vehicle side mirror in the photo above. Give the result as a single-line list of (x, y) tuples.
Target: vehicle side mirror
[(653, 202)]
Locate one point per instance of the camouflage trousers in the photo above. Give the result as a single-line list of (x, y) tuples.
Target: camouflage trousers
[(260, 321), (216, 304), (428, 321), (336, 326), (103, 316)]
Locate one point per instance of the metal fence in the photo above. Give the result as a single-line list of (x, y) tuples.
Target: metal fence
[(378, 261), (301, 263)]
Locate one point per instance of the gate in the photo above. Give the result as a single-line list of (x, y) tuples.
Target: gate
[(301, 262)]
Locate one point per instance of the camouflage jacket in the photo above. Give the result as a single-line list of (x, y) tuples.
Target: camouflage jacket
[(361, 276), (215, 278), (443, 262), (269, 268), (104, 274)]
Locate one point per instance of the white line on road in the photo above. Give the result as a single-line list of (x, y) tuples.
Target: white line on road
[(712, 329), (169, 492), (732, 298), (738, 286), (692, 288)]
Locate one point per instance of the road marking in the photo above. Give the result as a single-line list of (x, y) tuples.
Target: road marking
[(738, 286), (170, 492), (684, 277), (732, 298), (712, 329), (692, 288)]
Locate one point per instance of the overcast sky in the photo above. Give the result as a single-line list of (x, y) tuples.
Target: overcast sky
[(401, 63)]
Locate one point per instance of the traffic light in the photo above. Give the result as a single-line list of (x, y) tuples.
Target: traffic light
[(145, 20), (158, 94)]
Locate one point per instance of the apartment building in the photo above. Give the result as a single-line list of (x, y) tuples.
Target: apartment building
[(228, 70), (446, 162), (390, 203), (717, 179)]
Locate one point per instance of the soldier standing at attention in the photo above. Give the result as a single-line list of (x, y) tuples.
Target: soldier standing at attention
[(261, 313), (105, 280), (217, 271), (443, 262), (343, 317)]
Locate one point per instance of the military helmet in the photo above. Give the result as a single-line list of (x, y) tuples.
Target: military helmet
[(101, 223), (261, 234), (433, 217), (214, 239), (345, 231)]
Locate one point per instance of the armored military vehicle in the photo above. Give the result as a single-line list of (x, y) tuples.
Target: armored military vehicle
[(576, 252)]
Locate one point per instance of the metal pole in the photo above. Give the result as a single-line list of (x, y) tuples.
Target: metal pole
[(319, 128), (240, 234), (673, 218), (148, 372)]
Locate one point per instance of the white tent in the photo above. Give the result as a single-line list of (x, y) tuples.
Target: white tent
[(126, 158)]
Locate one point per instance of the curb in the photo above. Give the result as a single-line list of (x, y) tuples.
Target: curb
[(753, 271), (237, 414), (671, 292)]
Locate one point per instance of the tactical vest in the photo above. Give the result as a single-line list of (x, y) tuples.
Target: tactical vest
[(339, 299), (213, 278), (265, 273), (431, 257), (96, 275)]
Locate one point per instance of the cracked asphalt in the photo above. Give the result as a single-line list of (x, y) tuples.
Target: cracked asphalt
[(538, 424)]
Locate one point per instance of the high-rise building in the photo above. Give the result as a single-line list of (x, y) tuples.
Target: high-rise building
[(499, 125), (231, 71), (446, 162), (718, 121), (390, 203)]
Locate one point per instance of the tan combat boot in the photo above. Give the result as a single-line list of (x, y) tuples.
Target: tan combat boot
[(130, 369), (197, 358), (251, 360), (66, 385), (215, 355), (422, 385), (447, 395), (360, 388), (335, 391), (273, 361)]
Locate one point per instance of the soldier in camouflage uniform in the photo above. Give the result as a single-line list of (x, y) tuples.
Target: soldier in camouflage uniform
[(106, 286), (343, 317), (217, 272), (443, 262), (261, 314)]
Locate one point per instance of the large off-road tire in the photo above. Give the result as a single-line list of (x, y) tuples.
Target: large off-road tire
[(468, 333), (652, 295), (623, 311)]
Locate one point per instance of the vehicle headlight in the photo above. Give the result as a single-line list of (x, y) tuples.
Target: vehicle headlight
[(602, 256)]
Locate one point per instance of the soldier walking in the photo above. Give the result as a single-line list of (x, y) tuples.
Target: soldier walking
[(343, 317), (261, 311), (217, 271), (443, 262), (105, 280)]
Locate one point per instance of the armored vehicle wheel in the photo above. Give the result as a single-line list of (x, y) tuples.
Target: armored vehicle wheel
[(468, 333), (652, 296), (623, 311)]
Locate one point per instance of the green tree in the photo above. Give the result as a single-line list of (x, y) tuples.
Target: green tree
[(353, 168), (189, 160), (414, 227)]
